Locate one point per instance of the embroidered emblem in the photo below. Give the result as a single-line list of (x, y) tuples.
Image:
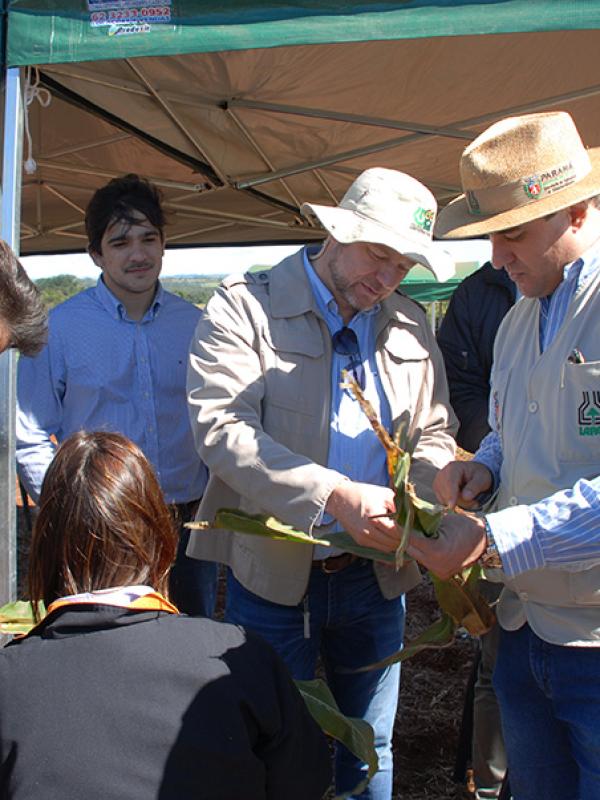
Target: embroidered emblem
[(423, 218), (533, 187), (588, 414)]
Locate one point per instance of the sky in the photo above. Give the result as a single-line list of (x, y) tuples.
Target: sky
[(214, 260)]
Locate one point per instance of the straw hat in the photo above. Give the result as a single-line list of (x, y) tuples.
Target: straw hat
[(518, 170), (384, 206)]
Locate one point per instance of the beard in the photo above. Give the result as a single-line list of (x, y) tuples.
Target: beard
[(345, 289)]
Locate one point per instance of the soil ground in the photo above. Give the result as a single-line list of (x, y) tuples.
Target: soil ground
[(432, 693), (431, 700)]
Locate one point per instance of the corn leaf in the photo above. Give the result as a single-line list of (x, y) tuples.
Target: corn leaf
[(262, 525), (461, 600), (440, 634), (355, 734), (17, 618), (345, 542), (255, 524)]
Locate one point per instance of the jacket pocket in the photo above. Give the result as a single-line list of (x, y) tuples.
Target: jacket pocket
[(293, 367)]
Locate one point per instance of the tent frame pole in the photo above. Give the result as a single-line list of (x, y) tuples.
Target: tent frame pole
[(10, 226)]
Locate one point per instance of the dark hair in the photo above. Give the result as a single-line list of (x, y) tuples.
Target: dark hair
[(102, 521), (119, 201), (22, 309)]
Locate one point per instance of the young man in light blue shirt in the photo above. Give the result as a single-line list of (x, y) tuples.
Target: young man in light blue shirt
[(116, 360)]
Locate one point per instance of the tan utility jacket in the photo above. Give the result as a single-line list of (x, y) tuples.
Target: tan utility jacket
[(259, 393)]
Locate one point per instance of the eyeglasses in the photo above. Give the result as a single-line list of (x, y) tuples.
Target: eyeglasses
[(345, 343)]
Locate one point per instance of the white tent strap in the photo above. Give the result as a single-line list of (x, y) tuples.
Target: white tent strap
[(33, 91)]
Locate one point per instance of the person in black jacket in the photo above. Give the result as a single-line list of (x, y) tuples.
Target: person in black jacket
[(466, 339), (114, 694)]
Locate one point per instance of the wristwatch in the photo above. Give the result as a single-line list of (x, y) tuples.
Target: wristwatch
[(491, 558)]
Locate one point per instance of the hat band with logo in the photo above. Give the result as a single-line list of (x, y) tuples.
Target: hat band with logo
[(530, 189)]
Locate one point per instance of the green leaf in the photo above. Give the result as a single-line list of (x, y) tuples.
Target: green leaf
[(17, 617), (440, 634), (355, 734), (345, 542), (255, 524), (263, 525), (401, 472)]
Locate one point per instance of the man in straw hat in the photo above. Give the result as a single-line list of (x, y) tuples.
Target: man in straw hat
[(280, 435), (532, 186)]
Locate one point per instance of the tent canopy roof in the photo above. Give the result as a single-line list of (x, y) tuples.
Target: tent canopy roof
[(241, 114)]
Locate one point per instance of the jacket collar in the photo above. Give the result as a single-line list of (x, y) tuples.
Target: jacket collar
[(285, 301), (72, 619)]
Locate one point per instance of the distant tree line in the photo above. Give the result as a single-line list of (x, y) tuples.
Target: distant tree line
[(196, 289)]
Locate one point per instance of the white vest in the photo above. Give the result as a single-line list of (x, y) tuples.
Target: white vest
[(548, 410)]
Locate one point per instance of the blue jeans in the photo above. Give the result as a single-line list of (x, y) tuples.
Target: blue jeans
[(192, 583), (345, 619), (550, 704)]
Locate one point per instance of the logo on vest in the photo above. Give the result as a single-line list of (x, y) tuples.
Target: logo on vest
[(588, 414)]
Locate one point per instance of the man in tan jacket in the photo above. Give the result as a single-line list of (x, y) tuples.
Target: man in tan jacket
[(533, 187), (281, 435)]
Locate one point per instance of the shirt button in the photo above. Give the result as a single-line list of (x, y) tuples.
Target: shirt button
[(513, 501), (146, 395), (533, 406)]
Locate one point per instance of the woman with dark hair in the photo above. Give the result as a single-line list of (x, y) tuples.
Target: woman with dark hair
[(114, 694)]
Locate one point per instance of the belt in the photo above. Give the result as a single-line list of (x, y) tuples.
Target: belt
[(334, 564)]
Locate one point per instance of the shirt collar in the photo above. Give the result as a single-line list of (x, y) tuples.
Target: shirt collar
[(116, 308)]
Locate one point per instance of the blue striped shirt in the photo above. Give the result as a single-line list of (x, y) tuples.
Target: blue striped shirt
[(563, 529), (354, 449), (101, 370)]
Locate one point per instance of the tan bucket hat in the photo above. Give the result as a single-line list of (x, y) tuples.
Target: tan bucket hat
[(384, 206), (518, 170)]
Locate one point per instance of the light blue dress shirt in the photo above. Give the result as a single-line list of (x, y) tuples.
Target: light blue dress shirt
[(564, 528), (102, 370), (354, 448)]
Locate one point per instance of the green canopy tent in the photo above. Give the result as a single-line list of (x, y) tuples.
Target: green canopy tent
[(242, 112)]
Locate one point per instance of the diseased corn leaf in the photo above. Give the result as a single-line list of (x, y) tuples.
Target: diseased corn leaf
[(356, 734), (391, 449), (16, 618), (460, 598), (255, 524), (440, 634)]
